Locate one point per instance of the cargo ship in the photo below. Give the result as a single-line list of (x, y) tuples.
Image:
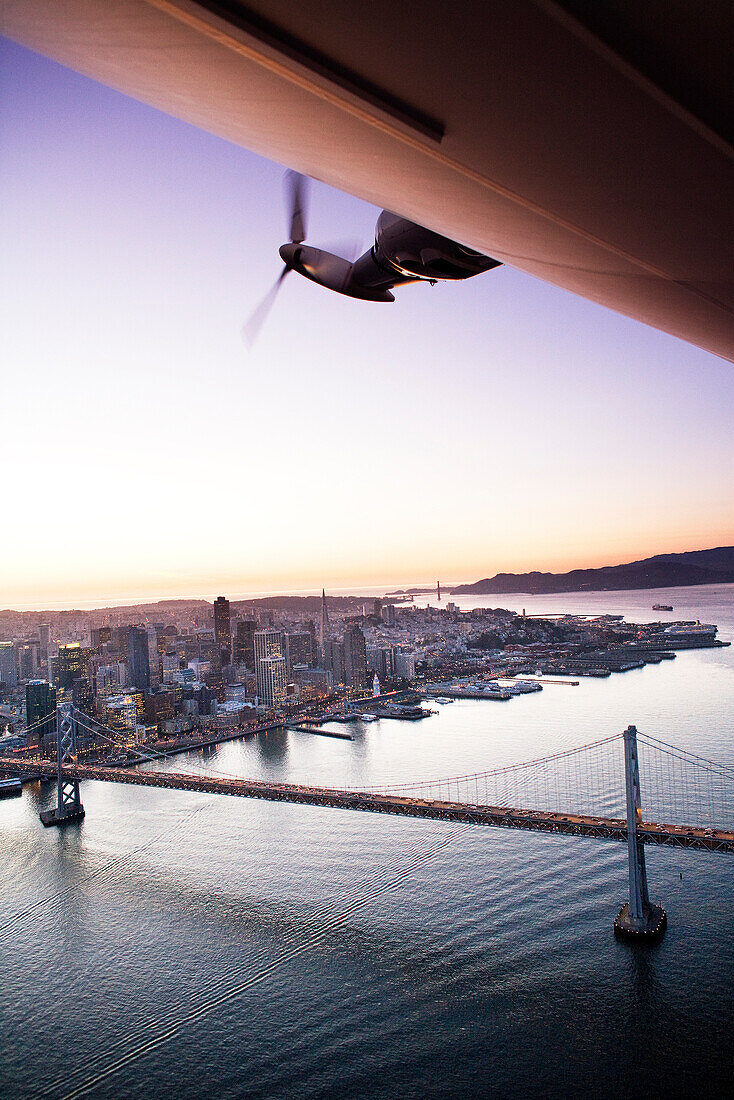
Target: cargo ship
[(662, 607)]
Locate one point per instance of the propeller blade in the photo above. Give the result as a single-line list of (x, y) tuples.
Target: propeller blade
[(297, 195), (258, 317)]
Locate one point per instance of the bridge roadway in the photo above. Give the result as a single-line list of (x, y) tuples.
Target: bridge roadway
[(606, 828)]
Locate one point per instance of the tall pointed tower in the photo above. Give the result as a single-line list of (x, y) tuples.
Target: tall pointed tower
[(325, 633)]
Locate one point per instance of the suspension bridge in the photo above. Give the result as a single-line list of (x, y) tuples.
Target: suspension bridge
[(593, 790)]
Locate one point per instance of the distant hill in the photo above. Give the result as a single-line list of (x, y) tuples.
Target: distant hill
[(662, 571)]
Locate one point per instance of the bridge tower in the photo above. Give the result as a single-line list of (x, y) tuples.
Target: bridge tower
[(68, 803), (638, 918)]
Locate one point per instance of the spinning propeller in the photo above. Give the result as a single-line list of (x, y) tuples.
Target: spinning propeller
[(296, 191), (403, 252)]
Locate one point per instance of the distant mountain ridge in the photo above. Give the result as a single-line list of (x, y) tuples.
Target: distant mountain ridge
[(714, 566)]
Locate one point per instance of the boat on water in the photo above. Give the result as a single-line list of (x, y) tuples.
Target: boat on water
[(443, 700), (368, 717), (662, 607)]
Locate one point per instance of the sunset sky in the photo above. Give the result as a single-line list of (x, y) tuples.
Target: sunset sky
[(498, 425)]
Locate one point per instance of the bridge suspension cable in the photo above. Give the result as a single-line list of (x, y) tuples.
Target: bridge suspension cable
[(585, 779), (34, 725), (115, 737), (725, 770), (537, 761), (677, 785)]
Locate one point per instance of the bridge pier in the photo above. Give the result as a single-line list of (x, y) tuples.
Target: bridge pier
[(638, 919), (68, 803)]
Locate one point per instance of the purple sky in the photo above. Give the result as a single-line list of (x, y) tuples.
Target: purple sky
[(501, 424)]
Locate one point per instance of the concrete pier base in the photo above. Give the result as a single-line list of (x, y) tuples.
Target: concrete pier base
[(649, 927), (52, 817)]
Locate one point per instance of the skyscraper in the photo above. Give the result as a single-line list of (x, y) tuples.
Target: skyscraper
[(82, 696), (268, 646), (355, 658), (137, 658), (325, 633), (154, 658), (272, 680), (8, 672), (40, 702), (27, 657), (336, 662), (222, 629), (71, 663), (101, 635), (297, 650), (244, 646)]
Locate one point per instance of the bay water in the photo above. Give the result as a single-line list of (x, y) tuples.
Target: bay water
[(178, 944)]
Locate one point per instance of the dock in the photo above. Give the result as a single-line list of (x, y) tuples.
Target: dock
[(10, 788), (320, 733)]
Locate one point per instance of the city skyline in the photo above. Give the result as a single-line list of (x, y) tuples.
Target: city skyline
[(463, 431)]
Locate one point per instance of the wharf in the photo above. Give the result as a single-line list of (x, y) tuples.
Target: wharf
[(336, 716), (10, 788), (320, 732), (408, 714), (471, 693), (542, 680)]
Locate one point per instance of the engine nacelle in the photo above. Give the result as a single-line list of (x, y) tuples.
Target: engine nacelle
[(418, 253)]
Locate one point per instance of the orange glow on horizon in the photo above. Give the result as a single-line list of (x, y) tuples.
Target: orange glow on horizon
[(98, 590)]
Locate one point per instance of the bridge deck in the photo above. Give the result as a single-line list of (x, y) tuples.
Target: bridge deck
[(679, 836)]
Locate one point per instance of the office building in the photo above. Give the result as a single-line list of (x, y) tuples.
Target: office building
[(138, 664), (272, 681), (298, 650), (244, 645), (381, 659), (154, 658), (268, 645), (317, 681), (40, 703), (160, 707), (8, 670), (101, 635), (336, 663), (71, 663), (109, 679), (405, 665), (82, 695), (355, 658), (388, 614), (121, 712), (310, 626), (222, 630), (324, 633), (27, 659)]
